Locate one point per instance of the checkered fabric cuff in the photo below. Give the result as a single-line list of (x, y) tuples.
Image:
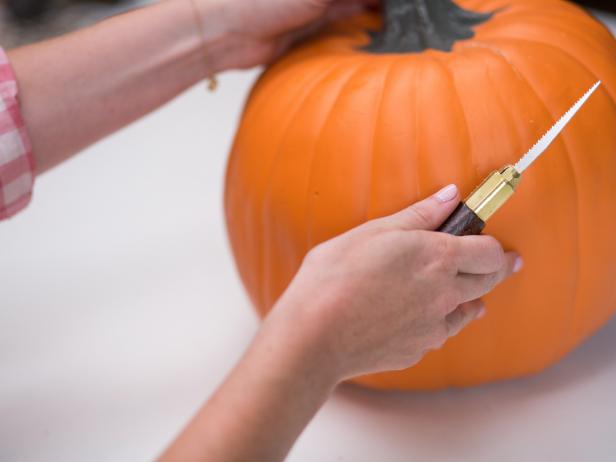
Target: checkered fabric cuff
[(16, 158)]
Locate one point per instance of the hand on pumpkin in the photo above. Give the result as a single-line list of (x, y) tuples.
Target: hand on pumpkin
[(261, 30), (372, 299), (380, 296)]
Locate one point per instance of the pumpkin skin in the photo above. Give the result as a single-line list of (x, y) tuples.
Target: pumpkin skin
[(333, 136)]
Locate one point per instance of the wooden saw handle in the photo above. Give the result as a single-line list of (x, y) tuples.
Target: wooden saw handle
[(462, 222)]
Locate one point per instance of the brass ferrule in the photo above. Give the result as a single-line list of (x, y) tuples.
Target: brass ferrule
[(495, 190)]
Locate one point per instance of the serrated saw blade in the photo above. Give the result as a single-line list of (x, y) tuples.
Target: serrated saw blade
[(547, 139)]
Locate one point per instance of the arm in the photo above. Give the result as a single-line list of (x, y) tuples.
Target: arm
[(78, 88), (265, 403), (373, 299)]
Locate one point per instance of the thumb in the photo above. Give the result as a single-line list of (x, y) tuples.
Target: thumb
[(429, 213)]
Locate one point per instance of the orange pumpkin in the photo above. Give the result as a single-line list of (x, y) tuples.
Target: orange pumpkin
[(351, 126)]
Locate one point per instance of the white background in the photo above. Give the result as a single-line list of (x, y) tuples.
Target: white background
[(120, 312)]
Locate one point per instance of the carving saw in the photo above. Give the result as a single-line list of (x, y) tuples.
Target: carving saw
[(471, 214)]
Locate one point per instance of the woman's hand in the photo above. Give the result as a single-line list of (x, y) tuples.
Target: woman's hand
[(380, 296), (258, 31), (375, 298)]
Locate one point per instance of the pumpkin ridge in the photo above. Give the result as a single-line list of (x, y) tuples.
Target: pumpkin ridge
[(590, 41), (416, 141), (538, 23), (572, 37), (445, 356), (565, 340), (565, 20), (260, 261), (272, 233), (595, 76), (492, 341), (314, 153), (527, 84), (460, 106), (252, 275), (506, 109), (375, 126), (565, 138), (590, 71), (546, 12), (440, 356), (496, 51), (500, 56)]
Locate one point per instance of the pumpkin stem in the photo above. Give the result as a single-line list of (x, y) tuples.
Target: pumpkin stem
[(412, 26)]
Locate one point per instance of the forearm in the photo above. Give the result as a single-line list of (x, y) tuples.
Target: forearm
[(264, 404), (79, 88)]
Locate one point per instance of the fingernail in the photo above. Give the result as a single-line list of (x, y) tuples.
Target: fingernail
[(481, 313), (447, 194), (518, 264)]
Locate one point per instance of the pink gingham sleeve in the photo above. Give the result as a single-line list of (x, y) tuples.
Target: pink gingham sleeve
[(16, 158)]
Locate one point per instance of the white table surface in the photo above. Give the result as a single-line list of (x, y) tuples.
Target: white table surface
[(120, 312)]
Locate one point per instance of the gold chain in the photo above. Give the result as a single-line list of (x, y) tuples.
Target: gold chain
[(212, 81)]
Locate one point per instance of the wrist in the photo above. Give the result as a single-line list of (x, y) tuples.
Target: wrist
[(295, 337), (219, 43)]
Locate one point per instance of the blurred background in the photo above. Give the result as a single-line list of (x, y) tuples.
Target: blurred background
[(26, 21)]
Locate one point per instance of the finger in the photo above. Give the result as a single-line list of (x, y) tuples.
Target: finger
[(336, 12), (429, 213), (479, 254), (472, 286), (333, 11), (459, 318)]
